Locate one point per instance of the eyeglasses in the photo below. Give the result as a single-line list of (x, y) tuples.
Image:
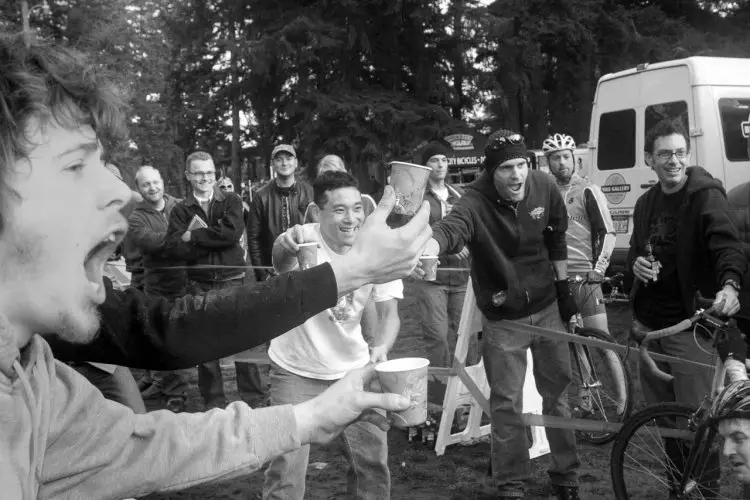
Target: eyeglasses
[(680, 154), (225, 187), (206, 174), (501, 141)]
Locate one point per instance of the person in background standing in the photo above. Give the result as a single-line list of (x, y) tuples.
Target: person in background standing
[(441, 301)]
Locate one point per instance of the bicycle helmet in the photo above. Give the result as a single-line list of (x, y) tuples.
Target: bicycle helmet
[(558, 142), (733, 402)]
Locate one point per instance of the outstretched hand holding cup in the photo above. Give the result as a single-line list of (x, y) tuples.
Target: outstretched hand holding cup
[(322, 418), (381, 254)]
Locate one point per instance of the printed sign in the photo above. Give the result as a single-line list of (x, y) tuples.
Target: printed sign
[(621, 211), (746, 128), (460, 142), (622, 223), (615, 189)]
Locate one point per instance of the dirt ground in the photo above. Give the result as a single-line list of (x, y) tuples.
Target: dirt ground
[(417, 473)]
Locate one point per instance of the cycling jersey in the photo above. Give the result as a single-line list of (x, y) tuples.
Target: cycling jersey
[(591, 233)]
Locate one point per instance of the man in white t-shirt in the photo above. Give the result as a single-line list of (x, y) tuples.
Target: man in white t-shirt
[(311, 357)]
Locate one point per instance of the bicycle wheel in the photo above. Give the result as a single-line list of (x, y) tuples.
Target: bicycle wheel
[(601, 388), (650, 457)]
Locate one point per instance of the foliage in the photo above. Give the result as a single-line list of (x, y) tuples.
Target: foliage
[(368, 79)]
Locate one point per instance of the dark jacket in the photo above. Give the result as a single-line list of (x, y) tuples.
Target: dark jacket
[(452, 278), (739, 202), (709, 250), (264, 223), (511, 248), (216, 245), (148, 232), (154, 333)]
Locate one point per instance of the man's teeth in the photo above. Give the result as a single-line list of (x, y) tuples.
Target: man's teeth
[(348, 229)]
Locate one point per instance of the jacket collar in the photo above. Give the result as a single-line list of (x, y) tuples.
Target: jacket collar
[(218, 195)]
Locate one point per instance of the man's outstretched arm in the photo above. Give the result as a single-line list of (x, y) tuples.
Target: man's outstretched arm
[(141, 331), (159, 334)]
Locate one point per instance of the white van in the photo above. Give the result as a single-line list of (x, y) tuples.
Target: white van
[(711, 95)]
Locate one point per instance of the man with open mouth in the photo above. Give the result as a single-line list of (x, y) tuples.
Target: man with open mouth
[(60, 437), (513, 221)]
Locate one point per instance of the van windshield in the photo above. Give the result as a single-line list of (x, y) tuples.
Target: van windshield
[(735, 125)]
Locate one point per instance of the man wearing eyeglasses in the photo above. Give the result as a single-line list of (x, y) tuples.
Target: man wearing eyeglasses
[(683, 241), (513, 221), (205, 230)]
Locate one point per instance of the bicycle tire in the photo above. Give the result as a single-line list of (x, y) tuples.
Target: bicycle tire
[(652, 478), (600, 404)]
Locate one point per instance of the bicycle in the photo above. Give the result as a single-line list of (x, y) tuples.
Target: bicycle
[(601, 387), (669, 448)]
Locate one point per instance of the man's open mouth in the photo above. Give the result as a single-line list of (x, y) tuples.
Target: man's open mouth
[(515, 188), (97, 257), (349, 230)]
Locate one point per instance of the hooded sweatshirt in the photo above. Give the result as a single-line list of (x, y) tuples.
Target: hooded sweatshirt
[(512, 245), (708, 247), (59, 437)]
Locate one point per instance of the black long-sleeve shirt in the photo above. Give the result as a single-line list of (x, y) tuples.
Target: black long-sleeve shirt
[(154, 333)]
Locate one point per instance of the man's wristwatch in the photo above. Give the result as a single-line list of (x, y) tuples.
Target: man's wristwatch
[(733, 284)]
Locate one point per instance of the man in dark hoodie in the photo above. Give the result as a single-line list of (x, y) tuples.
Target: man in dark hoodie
[(148, 231), (683, 242), (513, 220)]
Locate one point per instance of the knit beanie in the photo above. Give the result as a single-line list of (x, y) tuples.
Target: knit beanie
[(503, 145), (434, 148)]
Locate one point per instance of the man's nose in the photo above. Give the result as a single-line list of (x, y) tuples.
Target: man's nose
[(728, 448)]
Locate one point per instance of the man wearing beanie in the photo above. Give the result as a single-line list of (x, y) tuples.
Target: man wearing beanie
[(440, 301), (513, 221)]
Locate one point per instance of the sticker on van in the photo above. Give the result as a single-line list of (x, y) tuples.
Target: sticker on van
[(746, 128), (615, 188)]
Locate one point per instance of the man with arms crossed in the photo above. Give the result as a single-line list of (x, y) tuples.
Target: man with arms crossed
[(61, 438), (513, 221), (311, 357)]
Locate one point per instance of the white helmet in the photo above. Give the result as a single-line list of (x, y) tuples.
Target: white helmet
[(558, 142)]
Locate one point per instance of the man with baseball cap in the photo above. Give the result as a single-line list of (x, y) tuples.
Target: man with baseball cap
[(513, 220), (276, 207)]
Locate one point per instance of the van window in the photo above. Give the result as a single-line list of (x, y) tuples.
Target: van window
[(735, 126), (616, 141), (675, 110)]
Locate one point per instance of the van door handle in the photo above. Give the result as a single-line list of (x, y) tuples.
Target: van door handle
[(648, 184)]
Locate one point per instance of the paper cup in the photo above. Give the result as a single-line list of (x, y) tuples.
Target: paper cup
[(307, 255), (407, 377), (409, 181), (429, 266)]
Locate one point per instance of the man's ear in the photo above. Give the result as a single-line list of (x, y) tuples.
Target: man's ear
[(315, 212), (649, 158)]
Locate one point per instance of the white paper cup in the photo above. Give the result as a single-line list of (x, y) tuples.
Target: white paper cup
[(429, 266), (409, 181), (407, 377), (307, 255)]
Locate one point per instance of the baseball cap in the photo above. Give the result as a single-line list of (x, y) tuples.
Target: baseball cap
[(283, 148)]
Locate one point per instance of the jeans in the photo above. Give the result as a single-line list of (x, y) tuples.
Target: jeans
[(504, 354), (690, 385), (210, 379), (364, 445), (119, 386), (440, 309)]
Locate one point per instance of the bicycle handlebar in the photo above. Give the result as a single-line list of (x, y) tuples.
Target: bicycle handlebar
[(701, 314), (578, 278)]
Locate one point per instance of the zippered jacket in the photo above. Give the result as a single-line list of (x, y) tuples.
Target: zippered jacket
[(216, 245), (512, 245)]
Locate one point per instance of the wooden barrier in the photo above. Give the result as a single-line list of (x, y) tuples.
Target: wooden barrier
[(467, 385)]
